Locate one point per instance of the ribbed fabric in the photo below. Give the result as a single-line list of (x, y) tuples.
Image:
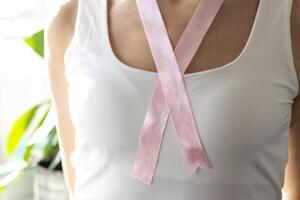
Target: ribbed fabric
[(242, 108)]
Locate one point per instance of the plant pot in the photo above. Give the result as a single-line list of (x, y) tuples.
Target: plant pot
[(49, 185)]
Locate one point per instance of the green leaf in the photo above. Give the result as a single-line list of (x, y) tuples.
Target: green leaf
[(56, 160), (36, 42), (43, 149), (43, 130), (42, 145), (10, 172), (41, 121), (16, 139), (19, 128), (51, 145), (10, 178), (27, 153)]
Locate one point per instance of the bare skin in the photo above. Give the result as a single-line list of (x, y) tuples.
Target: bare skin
[(210, 54), (58, 36)]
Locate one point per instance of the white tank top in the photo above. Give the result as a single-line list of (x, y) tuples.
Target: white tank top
[(242, 107)]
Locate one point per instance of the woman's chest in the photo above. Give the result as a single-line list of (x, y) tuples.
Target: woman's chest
[(222, 43), (234, 105)]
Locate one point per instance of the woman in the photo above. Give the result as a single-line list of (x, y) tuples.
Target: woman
[(242, 84)]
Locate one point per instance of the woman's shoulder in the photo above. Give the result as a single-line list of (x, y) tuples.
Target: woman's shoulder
[(61, 27)]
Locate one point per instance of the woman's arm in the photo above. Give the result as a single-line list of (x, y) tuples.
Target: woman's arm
[(58, 35), (292, 174)]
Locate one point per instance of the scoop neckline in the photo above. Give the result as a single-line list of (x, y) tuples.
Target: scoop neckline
[(130, 68)]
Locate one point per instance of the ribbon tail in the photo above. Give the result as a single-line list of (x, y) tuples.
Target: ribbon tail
[(195, 158), (150, 138)]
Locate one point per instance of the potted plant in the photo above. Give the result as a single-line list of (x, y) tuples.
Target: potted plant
[(32, 143)]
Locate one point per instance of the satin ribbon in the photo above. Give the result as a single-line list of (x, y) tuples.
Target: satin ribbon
[(170, 95)]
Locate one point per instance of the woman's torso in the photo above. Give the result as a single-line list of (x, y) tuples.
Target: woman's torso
[(240, 89)]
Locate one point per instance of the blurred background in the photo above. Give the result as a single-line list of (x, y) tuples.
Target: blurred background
[(30, 165)]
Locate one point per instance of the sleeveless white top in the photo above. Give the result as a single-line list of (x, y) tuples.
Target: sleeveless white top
[(242, 107)]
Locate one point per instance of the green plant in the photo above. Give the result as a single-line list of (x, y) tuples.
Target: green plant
[(36, 42), (32, 139)]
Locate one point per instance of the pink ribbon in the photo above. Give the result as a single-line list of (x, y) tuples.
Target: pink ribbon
[(170, 95)]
